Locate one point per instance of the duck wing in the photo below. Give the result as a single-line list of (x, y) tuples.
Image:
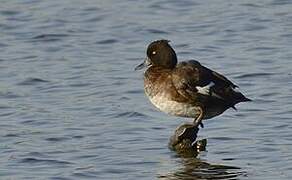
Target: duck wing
[(193, 80)]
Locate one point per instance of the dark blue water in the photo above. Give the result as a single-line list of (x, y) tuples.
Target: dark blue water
[(73, 108)]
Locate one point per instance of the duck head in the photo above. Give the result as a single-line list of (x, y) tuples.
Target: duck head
[(160, 54)]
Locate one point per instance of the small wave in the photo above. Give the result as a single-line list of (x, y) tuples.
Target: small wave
[(251, 5), (84, 175), (263, 48), (230, 159), (136, 91), (6, 114), (96, 19), (11, 135), (158, 128), (78, 137), (280, 2), (156, 31), (10, 95), (2, 45), (32, 160), (9, 12), (36, 154), (59, 178), (56, 139), (32, 81), (107, 41), (269, 94), (254, 28), (222, 138), (130, 114), (49, 37), (248, 75)]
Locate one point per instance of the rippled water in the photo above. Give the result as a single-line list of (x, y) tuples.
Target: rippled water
[(73, 108)]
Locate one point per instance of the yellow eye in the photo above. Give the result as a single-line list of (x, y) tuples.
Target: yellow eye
[(153, 52)]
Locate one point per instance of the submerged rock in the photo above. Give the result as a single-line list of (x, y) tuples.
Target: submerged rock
[(184, 141)]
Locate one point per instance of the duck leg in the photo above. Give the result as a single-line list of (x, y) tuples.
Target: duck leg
[(190, 131), (198, 120)]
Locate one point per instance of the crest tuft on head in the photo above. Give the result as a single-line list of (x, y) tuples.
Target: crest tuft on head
[(162, 41)]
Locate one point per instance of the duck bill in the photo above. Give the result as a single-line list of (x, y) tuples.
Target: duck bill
[(146, 63)]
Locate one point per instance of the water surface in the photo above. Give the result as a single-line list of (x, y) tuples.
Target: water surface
[(73, 108)]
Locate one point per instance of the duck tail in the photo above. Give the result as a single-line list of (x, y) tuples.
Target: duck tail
[(246, 99), (238, 97)]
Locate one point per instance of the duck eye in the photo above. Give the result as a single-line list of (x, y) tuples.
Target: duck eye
[(153, 52)]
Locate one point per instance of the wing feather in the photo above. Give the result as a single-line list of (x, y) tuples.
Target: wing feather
[(191, 79)]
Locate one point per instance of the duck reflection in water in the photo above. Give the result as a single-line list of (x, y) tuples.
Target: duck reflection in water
[(184, 142)]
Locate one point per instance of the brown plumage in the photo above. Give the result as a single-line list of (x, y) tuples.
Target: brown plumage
[(186, 89)]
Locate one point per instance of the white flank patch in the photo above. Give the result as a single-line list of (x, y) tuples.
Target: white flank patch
[(206, 89)]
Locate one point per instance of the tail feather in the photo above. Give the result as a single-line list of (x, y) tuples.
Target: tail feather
[(231, 96), (237, 97)]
